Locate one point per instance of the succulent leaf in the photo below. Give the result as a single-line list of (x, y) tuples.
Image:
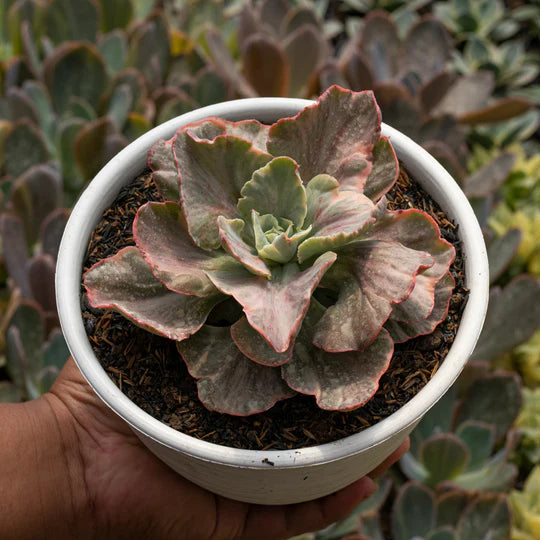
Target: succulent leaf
[(228, 381), (275, 307), (247, 24), (512, 318), (95, 144), (349, 126), (209, 87), (380, 42), (467, 94), (207, 129), (305, 50), (230, 231), (427, 48), (450, 506), (415, 229), (413, 514), (357, 70), (276, 240), (480, 440), (275, 189), (67, 132), (228, 163), (273, 12), (384, 171), (255, 347), (19, 105), (41, 271), (34, 195), (120, 104), (70, 21), (340, 381), (55, 352), (161, 235), (371, 276), (488, 179), (149, 48), (125, 283), (250, 130), (337, 217), (298, 17), (25, 336), (117, 15), (75, 70), (225, 63), (164, 172), (23, 147), (484, 394), (265, 65), (15, 251), (401, 331), (52, 229), (484, 519), (502, 250), (434, 90), (445, 456)]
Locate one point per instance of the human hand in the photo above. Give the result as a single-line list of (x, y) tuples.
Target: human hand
[(121, 490)]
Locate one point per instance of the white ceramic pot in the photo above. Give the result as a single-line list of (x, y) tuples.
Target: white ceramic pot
[(283, 476)]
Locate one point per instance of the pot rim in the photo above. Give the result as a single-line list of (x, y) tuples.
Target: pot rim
[(129, 162)]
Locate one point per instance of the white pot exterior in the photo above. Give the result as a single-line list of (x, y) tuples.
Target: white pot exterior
[(248, 475)]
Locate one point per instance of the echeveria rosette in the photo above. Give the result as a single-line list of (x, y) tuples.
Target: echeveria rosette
[(270, 216)]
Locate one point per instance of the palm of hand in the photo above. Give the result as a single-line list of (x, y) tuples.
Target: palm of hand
[(129, 493)]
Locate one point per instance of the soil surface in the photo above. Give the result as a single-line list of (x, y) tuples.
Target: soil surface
[(149, 370)]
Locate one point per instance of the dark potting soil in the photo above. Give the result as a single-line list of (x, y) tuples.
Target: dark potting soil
[(149, 370)]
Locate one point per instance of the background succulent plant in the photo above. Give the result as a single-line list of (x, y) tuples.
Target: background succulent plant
[(33, 360), (419, 512), (278, 50), (418, 91), (526, 508), (271, 214), (458, 442), (528, 423)]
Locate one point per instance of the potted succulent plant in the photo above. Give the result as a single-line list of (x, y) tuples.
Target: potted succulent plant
[(289, 222)]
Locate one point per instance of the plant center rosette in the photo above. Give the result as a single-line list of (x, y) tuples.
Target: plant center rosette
[(291, 222)]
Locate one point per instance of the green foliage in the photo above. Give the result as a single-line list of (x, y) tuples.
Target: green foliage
[(32, 362), (512, 318), (525, 506), (528, 423), (480, 18), (286, 39), (418, 91), (481, 26), (419, 512), (458, 442), (527, 221), (9, 393)]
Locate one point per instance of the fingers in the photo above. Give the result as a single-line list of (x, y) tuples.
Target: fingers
[(391, 459), (285, 521)]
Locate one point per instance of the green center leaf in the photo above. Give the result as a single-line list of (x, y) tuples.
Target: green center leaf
[(275, 189), (276, 240)]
